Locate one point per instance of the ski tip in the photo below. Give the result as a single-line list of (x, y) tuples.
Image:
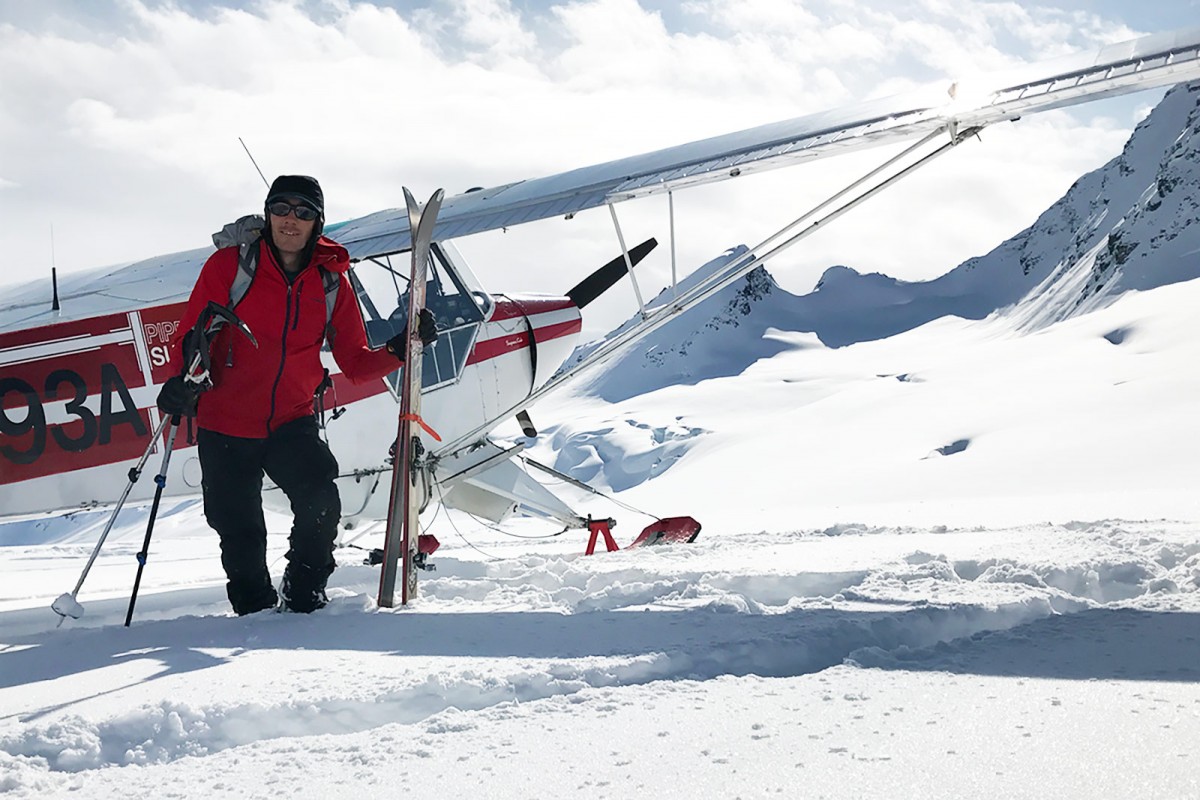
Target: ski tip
[(410, 202)]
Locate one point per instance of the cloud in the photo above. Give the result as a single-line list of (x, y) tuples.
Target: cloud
[(124, 133)]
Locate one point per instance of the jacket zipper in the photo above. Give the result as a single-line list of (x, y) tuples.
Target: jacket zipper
[(287, 319), (296, 319)]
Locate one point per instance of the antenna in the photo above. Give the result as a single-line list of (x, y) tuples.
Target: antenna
[(54, 306), (255, 163)]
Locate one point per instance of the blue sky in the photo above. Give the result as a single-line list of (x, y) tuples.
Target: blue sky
[(119, 119)]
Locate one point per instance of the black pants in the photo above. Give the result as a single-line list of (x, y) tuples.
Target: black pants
[(296, 459)]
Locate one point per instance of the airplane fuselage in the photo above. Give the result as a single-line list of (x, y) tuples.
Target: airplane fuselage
[(78, 399)]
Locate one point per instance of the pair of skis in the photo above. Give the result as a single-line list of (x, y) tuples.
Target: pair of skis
[(400, 546)]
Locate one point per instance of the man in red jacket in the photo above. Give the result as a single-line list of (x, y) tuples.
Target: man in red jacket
[(258, 415)]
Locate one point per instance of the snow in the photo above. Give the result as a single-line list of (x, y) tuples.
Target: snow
[(958, 560), (850, 661), (859, 617)]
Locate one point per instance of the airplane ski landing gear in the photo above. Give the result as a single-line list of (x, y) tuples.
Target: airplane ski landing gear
[(597, 527), (427, 545), (668, 530), (665, 530)]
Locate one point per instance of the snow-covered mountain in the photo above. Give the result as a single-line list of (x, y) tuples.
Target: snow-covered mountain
[(1132, 224)]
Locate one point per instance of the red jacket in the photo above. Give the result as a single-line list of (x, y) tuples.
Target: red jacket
[(255, 390)]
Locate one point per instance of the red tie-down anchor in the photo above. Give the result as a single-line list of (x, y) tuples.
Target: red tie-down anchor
[(597, 527), (668, 530)]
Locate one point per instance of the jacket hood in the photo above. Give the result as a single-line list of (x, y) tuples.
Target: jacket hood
[(329, 254)]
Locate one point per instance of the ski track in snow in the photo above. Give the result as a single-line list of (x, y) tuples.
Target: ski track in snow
[(492, 635)]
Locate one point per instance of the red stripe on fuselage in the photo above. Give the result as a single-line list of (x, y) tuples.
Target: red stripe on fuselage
[(59, 375), (558, 330), (492, 348), (65, 330), (55, 449), (528, 306)]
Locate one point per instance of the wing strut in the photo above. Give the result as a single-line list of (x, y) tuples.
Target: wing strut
[(654, 317), (628, 262), (674, 271), (752, 257)]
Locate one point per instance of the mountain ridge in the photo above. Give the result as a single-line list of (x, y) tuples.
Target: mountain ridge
[(1129, 225)]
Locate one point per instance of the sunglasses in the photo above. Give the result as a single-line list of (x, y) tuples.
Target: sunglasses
[(282, 209)]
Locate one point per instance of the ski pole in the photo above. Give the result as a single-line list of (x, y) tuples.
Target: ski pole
[(67, 605), (160, 481), (210, 321)]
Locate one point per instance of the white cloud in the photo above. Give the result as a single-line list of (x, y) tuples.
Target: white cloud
[(127, 140), (489, 31)]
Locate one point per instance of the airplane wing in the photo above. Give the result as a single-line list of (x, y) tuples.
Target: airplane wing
[(1143, 63), (154, 281)]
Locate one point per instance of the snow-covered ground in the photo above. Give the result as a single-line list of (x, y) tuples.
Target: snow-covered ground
[(862, 616)]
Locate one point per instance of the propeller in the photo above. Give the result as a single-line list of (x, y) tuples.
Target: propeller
[(603, 279)]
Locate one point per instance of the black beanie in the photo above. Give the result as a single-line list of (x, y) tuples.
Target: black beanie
[(299, 187)]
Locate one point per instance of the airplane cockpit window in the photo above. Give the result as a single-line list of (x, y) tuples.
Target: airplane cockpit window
[(381, 286)]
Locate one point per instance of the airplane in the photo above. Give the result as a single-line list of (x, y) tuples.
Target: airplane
[(80, 368)]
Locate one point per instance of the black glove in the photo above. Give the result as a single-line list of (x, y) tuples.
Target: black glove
[(426, 329), (179, 397)]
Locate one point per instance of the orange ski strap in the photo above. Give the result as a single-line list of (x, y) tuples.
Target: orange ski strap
[(424, 425)]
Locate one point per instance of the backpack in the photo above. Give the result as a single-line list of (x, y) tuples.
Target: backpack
[(244, 234)]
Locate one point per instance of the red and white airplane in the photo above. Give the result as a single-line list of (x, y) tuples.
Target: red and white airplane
[(78, 383)]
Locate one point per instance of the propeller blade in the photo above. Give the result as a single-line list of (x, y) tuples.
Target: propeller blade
[(603, 279)]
